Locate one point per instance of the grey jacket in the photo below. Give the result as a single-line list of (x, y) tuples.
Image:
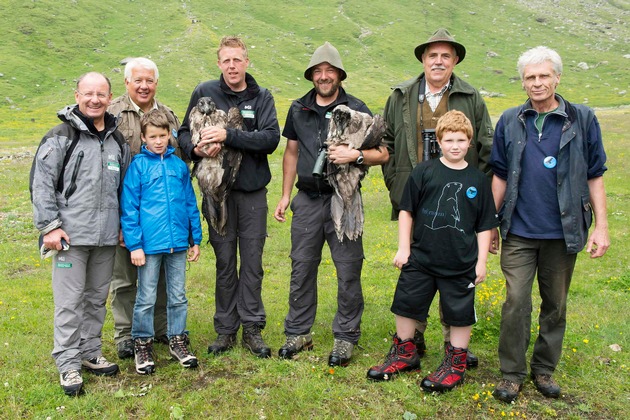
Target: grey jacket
[(87, 209)]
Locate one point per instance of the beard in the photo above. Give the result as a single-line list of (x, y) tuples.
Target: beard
[(327, 90)]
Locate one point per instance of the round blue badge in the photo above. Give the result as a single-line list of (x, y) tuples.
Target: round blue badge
[(550, 162), (471, 192)]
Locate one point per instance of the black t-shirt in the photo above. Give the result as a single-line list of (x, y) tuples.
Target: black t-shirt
[(449, 207)]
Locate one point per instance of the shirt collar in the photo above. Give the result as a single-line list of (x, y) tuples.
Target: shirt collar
[(138, 109)]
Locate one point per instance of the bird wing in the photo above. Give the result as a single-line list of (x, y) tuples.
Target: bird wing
[(197, 122), (374, 135), (234, 118)]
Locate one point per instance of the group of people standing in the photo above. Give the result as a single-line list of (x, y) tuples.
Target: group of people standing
[(127, 210)]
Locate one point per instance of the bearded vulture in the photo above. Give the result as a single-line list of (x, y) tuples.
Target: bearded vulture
[(359, 131), (215, 175)]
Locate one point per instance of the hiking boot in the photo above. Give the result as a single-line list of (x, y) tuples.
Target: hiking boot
[(449, 374), (546, 385), (507, 391), (162, 339), (421, 346), (471, 360), (341, 353), (178, 348), (294, 345), (223, 343), (125, 349), (143, 348), (100, 366), (71, 382), (402, 357), (252, 340)]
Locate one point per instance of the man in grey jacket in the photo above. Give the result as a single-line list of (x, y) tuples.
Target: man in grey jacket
[(141, 81), (75, 200)]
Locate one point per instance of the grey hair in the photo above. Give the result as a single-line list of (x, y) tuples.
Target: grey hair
[(539, 55), (143, 63)]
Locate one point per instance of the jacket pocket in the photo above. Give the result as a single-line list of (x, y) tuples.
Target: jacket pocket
[(587, 211)]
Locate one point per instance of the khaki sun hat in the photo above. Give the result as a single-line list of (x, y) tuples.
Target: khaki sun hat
[(325, 54), (442, 35)]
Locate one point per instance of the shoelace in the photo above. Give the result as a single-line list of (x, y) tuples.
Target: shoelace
[(178, 344), (101, 360), (292, 341), (340, 346), (143, 352), (72, 376)]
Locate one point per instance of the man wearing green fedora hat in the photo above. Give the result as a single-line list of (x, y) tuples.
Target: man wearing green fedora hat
[(412, 112), (306, 129)]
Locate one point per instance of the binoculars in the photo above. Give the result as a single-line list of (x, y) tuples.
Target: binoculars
[(430, 146), (320, 163)]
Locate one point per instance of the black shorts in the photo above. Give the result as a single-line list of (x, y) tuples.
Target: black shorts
[(415, 291)]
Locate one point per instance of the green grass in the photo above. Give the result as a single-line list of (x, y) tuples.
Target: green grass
[(594, 378), (47, 44)]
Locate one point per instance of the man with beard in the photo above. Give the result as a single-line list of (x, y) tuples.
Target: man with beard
[(412, 112), (306, 129)]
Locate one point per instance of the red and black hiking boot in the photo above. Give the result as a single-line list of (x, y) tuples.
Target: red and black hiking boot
[(449, 374), (402, 357)]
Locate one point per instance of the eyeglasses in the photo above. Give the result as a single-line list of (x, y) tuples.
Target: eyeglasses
[(91, 95)]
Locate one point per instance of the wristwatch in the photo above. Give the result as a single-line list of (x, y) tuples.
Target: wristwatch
[(360, 158)]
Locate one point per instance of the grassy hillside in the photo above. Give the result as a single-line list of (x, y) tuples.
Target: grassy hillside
[(46, 44)]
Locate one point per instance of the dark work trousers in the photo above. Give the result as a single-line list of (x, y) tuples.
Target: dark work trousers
[(521, 260), (310, 227), (238, 297)]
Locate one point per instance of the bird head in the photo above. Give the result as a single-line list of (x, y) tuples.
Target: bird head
[(206, 105), (341, 115)]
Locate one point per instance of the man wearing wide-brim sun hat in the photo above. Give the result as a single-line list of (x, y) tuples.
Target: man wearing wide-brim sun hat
[(411, 114), (442, 35)]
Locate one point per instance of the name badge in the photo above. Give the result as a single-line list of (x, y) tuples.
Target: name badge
[(113, 166), (248, 113)]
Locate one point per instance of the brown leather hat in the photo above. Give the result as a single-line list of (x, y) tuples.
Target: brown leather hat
[(325, 54), (442, 35)]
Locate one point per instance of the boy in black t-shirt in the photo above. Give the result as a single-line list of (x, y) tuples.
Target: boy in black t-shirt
[(447, 206)]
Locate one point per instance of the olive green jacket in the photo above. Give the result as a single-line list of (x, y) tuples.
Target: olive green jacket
[(128, 121), (400, 114)]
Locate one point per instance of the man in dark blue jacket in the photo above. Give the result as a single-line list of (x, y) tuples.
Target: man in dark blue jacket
[(548, 162), (238, 292), (306, 129)]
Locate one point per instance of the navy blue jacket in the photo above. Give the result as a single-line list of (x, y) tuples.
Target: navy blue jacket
[(580, 157)]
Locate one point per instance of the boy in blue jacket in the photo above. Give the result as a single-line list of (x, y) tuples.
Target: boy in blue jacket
[(160, 223)]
